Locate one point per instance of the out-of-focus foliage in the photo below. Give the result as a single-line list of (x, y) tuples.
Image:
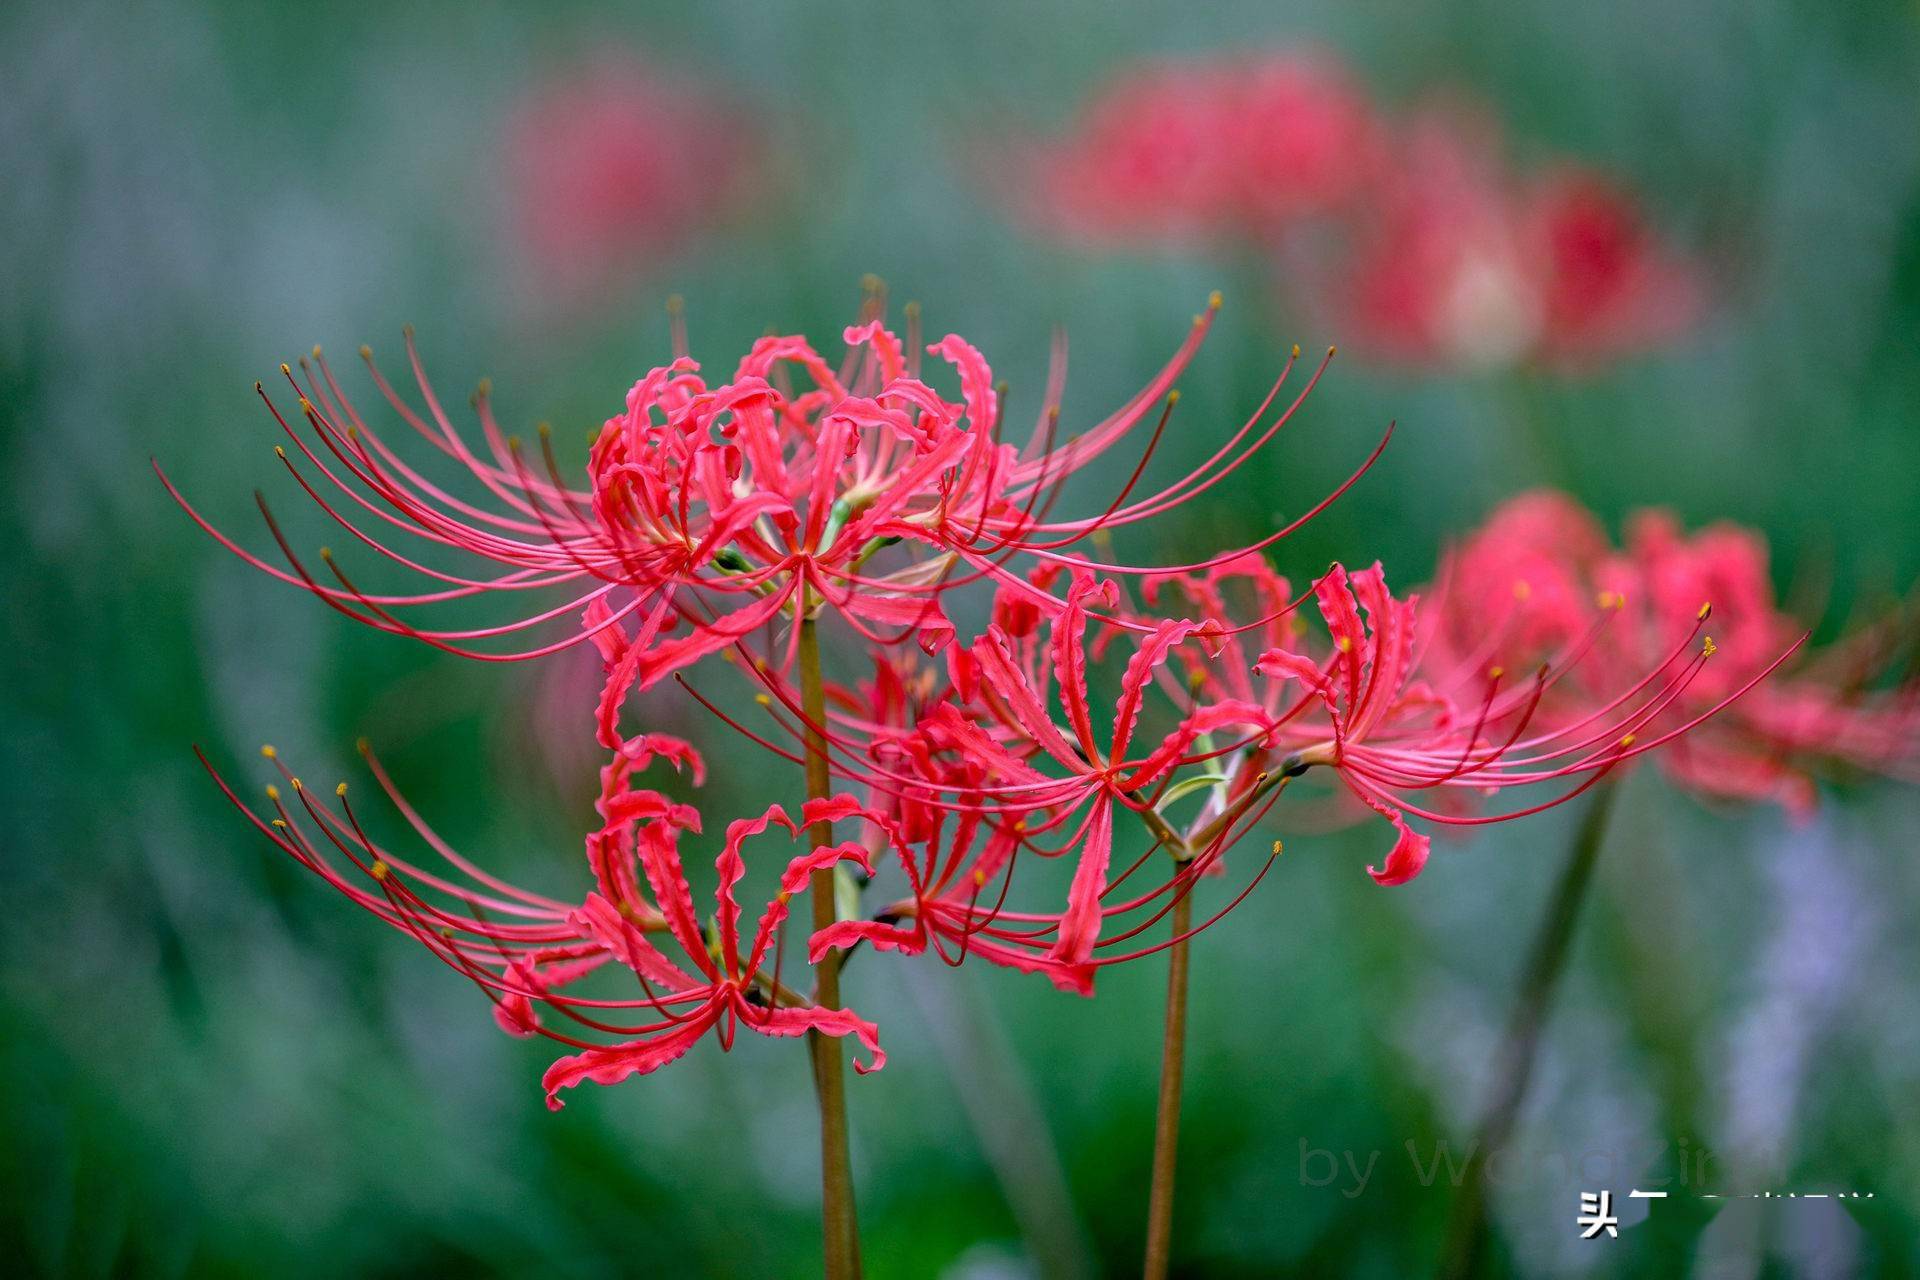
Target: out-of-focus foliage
[(214, 1067)]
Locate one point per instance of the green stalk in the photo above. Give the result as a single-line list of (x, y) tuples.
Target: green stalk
[(1466, 1239), (1173, 1031), (1166, 1120), (838, 1226)]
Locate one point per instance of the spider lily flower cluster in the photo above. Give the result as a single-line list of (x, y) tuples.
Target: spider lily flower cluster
[(995, 815)]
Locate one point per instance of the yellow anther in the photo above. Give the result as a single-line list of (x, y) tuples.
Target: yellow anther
[(1279, 847), (1345, 644), (341, 791), (326, 553), (979, 878), (763, 699), (363, 746), (306, 405), (1708, 648), (783, 898), (269, 752), (278, 452), (1173, 396), (1626, 741), (297, 786), (316, 351), (1608, 599), (486, 387), (273, 792), (1213, 300), (1296, 351), (285, 368), (366, 352), (1331, 351), (1705, 611), (380, 869), (1494, 673), (1522, 589), (280, 823), (545, 430)]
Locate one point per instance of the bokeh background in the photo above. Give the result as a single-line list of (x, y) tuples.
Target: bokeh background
[(214, 1067)]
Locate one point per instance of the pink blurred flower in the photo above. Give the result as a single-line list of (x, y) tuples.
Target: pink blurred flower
[(1205, 147), (1526, 584), (1456, 262), (614, 166), (1432, 250)]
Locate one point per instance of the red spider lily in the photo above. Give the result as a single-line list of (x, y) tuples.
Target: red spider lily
[(1224, 667), (1541, 562), (960, 875), (1204, 146), (712, 513), (1671, 693), (521, 948), (922, 777), (954, 772), (1458, 264), (727, 986), (1015, 676), (612, 166), (1397, 719), (964, 776), (744, 518)]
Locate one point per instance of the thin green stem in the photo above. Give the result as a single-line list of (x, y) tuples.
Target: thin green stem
[(1520, 1047), (838, 1225), (1166, 1122), (1173, 1032)]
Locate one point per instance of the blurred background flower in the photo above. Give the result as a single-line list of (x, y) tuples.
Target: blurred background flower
[(1461, 263), (612, 168), (1413, 238), (1691, 248), (1202, 148)]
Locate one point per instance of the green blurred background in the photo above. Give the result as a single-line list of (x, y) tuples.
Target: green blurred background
[(213, 1066)]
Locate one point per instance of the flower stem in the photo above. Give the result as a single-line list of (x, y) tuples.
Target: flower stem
[(1166, 1124), (842, 1240), (1513, 1067), (1173, 1036)]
